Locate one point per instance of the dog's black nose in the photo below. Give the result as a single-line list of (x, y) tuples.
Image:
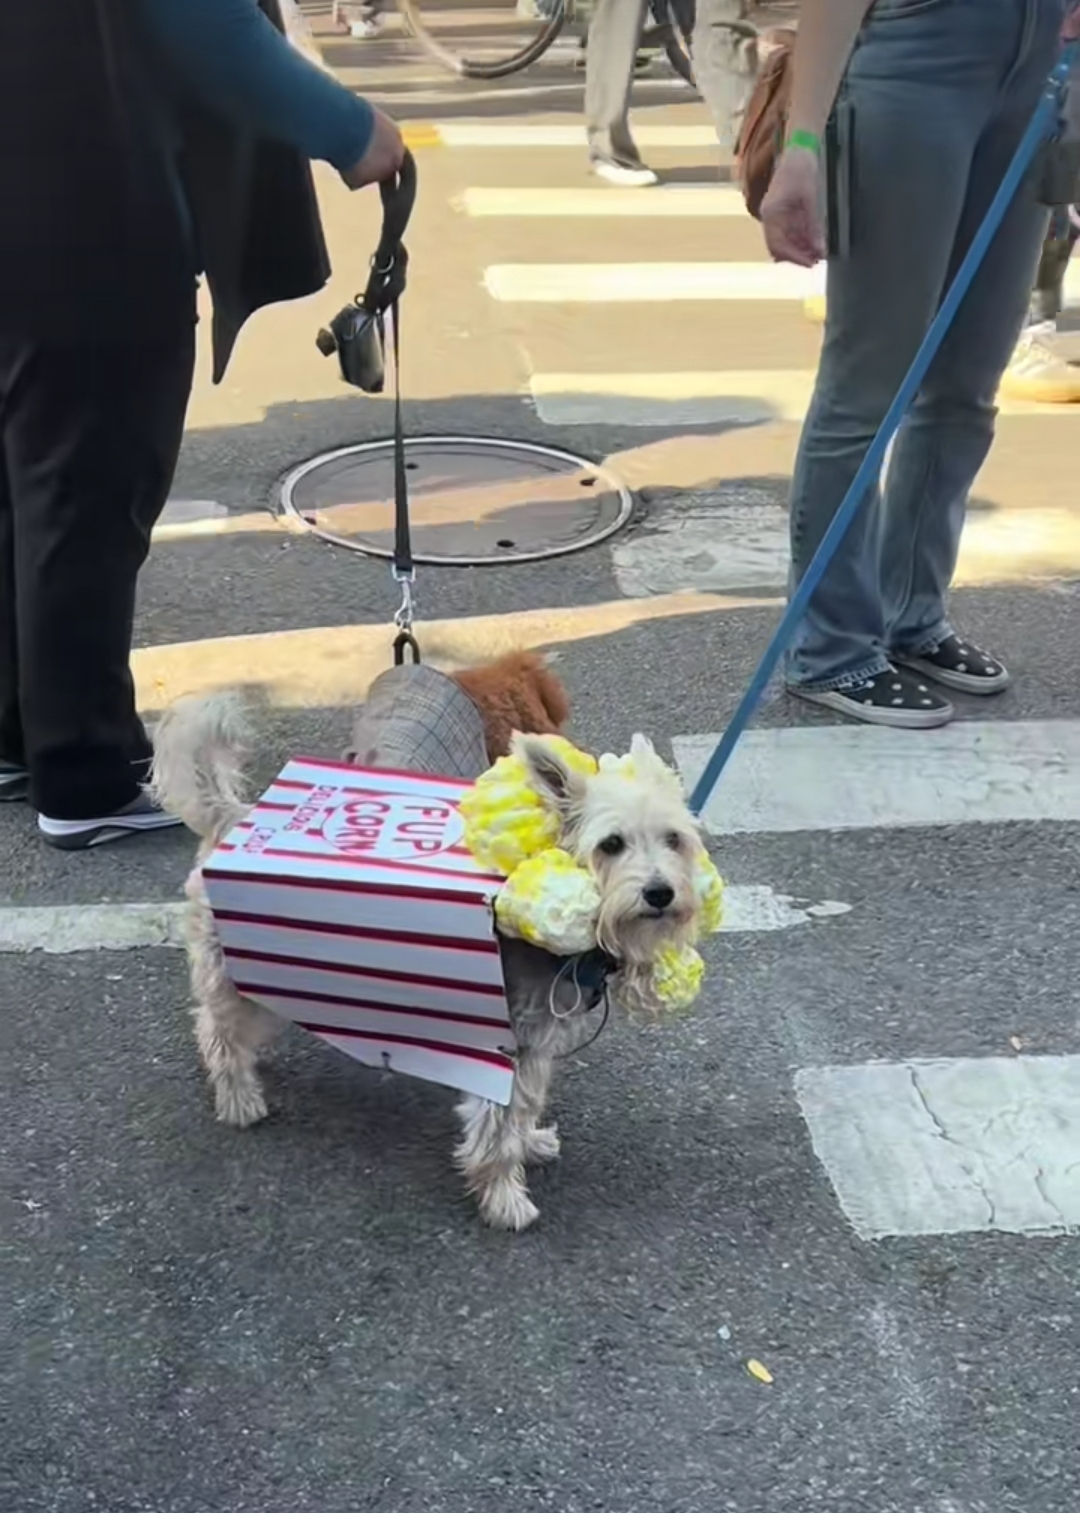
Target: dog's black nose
[(658, 896)]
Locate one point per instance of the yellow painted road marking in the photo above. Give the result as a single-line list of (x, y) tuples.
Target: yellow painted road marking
[(333, 666), (224, 525), (421, 134), (737, 396)]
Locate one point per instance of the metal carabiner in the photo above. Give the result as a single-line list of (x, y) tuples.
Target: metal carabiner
[(403, 619)]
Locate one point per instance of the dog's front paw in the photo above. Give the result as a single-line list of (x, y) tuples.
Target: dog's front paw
[(506, 1205), (240, 1103), (542, 1145)]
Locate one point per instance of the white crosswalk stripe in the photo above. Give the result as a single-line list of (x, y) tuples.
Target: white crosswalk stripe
[(851, 777), (748, 909), (504, 135), (674, 201), (650, 283)]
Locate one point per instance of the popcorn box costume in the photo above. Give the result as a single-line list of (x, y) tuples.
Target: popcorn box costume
[(347, 903)]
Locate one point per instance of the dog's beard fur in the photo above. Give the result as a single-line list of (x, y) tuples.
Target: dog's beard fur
[(641, 844)]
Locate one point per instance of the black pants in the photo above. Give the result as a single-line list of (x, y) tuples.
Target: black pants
[(89, 437)]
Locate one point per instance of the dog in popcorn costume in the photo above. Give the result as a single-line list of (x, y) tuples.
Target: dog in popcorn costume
[(608, 886)]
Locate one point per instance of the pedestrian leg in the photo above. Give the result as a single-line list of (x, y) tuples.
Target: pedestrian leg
[(12, 751), (614, 33), (91, 435), (724, 50)]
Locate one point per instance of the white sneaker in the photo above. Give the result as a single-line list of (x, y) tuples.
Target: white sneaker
[(1039, 374), (361, 30), (136, 818), (624, 172)]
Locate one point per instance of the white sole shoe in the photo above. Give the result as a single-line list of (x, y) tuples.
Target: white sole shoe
[(14, 783), (625, 175), (894, 698), (141, 818), (958, 665)]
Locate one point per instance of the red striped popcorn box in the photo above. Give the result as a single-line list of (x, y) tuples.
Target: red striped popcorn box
[(347, 902)]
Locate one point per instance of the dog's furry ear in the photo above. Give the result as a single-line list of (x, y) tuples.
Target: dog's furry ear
[(556, 782), (650, 766)]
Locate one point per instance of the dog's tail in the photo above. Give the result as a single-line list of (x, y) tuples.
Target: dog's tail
[(199, 749)]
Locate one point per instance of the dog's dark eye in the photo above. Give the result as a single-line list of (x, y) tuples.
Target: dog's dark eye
[(613, 845), (674, 840)]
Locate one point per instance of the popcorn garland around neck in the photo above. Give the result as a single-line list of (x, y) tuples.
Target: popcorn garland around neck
[(553, 902)]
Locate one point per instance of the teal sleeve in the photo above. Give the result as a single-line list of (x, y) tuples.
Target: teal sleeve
[(231, 58)]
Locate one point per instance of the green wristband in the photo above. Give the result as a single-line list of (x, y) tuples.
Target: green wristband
[(808, 139)]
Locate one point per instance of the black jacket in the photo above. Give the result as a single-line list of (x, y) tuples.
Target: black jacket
[(100, 239)]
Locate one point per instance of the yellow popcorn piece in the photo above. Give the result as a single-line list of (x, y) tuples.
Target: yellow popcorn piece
[(506, 820), (617, 766), (709, 887), (762, 1373), (576, 759), (551, 902), (677, 977)]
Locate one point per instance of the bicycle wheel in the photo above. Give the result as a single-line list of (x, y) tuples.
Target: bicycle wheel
[(484, 39)]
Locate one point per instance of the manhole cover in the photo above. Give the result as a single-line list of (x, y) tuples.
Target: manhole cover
[(473, 500)]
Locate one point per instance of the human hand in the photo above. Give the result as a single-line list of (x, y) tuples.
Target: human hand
[(791, 209), (383, 158)]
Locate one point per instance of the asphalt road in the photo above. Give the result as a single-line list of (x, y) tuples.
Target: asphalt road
[(308, 1316)]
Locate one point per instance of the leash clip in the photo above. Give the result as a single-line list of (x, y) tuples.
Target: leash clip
[(405, 614), (405, 643)]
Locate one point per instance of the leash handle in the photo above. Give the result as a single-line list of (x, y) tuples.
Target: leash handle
[(386, 282), (1041, 127)]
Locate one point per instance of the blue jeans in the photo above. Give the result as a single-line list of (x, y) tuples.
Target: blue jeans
[(941, 92)]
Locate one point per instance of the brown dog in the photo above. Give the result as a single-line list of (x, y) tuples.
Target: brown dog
[(517, 692)]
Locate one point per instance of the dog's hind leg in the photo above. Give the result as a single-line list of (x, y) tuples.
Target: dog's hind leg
[(497, 1142), (230, 1030)]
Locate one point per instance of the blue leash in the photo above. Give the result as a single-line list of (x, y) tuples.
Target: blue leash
[(1043, 126)]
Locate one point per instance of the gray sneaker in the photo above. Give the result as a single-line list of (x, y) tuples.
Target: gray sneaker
[(14, 782), (137, 818)]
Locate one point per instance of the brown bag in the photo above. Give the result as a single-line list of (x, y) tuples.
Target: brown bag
[(764, 127)]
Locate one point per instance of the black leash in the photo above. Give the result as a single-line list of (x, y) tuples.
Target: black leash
[(403, 568), (358, 335)]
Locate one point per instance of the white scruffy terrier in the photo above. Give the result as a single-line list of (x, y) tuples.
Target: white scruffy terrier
[(631, 828)]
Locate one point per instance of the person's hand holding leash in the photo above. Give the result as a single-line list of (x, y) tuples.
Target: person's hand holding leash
[(383, 157), (791, 209)]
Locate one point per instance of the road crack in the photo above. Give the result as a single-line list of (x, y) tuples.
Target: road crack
[(943, 1134)]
